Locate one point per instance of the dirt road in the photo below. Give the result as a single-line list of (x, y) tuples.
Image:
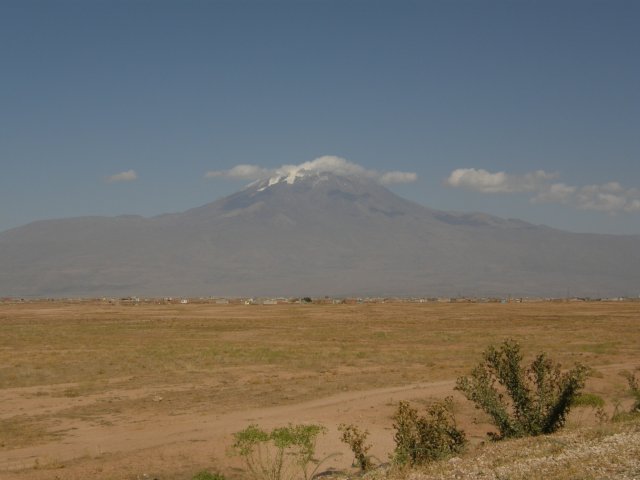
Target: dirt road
[(150, 440)]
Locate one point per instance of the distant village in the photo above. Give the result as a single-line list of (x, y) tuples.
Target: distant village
[(326, 300)]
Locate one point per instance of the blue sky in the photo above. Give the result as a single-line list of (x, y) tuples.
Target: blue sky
[(524, 109)]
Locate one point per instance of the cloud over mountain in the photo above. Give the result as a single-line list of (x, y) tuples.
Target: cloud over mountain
[(609, 197), (324, 164), (128, 176)]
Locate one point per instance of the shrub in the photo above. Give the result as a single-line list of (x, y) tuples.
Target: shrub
[(284, 453), (355, 438), (423, 439), (519, 401), (634, 389)]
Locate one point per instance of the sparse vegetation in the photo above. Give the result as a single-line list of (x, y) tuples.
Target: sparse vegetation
[(588, 400), (423, 439), (593, 401), (609, 452), (206, 475), (634, 390), (206, 361), (522, 402), (356, 439), (285, 453)]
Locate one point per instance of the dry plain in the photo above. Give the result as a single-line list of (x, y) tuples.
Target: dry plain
[(133, 391)]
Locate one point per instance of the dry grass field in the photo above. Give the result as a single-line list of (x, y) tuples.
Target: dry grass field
[(93, 390)]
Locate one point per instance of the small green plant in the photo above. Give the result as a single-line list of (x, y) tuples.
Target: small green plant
[(588, 400), (634, 389), (423, 439), (522, 402), (591, 400), (205, 475), (285, 453), (356, 438)]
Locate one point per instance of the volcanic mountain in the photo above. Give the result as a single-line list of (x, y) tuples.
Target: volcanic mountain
[(312, 234)]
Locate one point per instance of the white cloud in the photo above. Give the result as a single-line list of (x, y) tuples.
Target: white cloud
[(554, 193), (609, 197), (500, 182), (633, 206), (128, 176), (240, 172), (327, 163), (324, 164)]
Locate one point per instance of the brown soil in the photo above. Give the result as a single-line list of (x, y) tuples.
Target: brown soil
[(63, 419)]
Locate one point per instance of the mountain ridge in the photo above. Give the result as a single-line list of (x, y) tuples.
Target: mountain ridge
[(312, 234)]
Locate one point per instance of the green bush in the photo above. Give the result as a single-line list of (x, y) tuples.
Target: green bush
[(423, 439), (355, 438), (519, 401), (282, 454)]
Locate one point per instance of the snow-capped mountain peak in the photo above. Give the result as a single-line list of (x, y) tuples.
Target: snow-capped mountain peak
[(320, 168), (289, 176)]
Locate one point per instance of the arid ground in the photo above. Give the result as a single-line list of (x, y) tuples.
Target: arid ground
[(99, 390)]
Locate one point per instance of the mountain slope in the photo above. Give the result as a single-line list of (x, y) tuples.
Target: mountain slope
[(315, 234)]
